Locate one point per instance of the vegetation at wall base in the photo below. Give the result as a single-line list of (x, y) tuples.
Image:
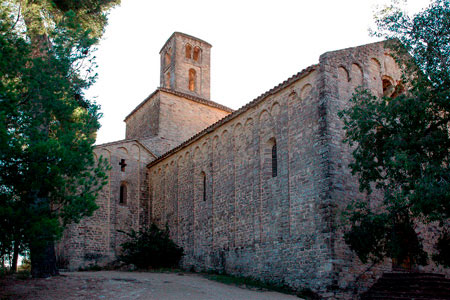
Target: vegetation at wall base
[(91, 268), (401, 143), (151, 248), (253, 283)]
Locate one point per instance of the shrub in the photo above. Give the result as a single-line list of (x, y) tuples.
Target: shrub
[(90, 268), (23, 274), (150, 248)]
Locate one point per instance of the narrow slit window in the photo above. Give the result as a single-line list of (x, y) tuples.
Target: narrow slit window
[(204, 185), (274, 160), (123, 194), (192, 79)]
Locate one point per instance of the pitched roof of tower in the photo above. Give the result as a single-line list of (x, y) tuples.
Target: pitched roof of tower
[(238, 112), (183, 95), (185, 35)]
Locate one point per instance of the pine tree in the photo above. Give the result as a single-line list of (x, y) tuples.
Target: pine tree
[(49, 175)]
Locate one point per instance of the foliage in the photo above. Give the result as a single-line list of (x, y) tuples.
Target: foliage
[(401, 144), (250, 282), (150, 248), (49, 176), (90, 268), (443, 250), (377, 235)]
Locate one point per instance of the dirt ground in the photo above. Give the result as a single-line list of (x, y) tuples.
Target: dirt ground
[(128, 285)]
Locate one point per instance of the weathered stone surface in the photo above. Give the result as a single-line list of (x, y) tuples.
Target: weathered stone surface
[(217, 187)]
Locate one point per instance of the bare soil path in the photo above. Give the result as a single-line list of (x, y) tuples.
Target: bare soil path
[(128, 285)]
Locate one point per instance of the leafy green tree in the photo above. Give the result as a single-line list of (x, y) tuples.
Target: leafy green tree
[(49, 176), (401, 144)]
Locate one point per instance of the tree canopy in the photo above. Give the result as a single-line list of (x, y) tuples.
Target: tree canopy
[(49, 175), (401, 144)]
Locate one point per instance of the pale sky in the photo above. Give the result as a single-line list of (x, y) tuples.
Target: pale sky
[(257, 44)]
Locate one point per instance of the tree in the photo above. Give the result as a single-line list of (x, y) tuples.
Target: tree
[(401, 144), (49, 177)]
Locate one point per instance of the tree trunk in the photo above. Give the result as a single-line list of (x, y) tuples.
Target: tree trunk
[(43, 261), (42, 248), (15, 256), (42, 245)]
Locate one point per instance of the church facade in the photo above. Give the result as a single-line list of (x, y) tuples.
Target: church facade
[(253, 192)]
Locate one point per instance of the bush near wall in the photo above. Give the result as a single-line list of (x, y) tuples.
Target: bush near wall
[(151, 248)]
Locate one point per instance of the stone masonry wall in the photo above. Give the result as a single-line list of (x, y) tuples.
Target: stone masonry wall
[(144, 122), (284, 228), (181, 118), (180, 65), (96, 240), (219, 194), (172, 117), (343, 71), (248, 222)]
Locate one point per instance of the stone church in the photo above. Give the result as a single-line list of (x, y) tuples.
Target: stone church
[(256, 191)]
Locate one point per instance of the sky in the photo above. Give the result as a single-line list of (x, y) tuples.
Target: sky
[(257, 44)]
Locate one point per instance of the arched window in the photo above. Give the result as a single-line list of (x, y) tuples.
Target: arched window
[(192, 79), (188, 51), (388, 87), (269, 158), (274, 159), (197, 52), (390, 90), (204, 185), (123, 193)]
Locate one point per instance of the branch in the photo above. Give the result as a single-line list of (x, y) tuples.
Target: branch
[(18, 16)]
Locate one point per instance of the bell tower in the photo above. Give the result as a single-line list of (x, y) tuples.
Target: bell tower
[(185, 65)]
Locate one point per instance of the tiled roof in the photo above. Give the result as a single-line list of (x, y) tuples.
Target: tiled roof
[(238, 112), (116, 142)]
